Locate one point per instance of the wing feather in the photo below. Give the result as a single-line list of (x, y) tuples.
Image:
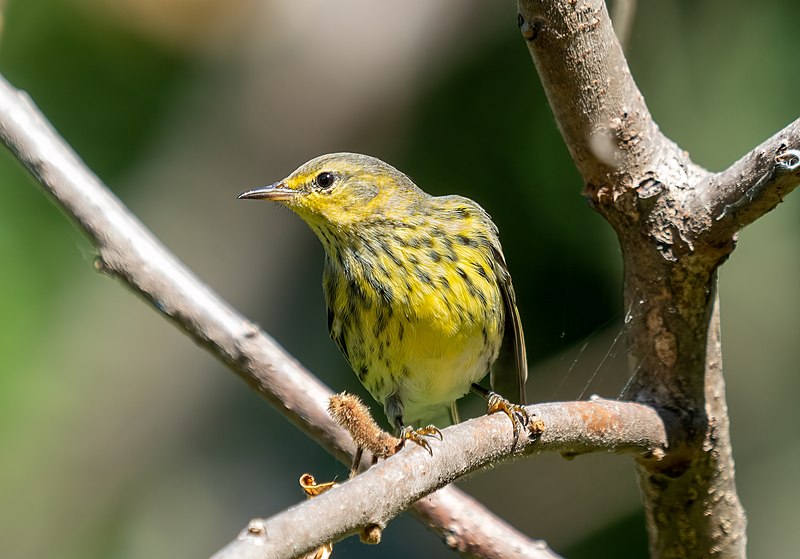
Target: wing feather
[(506, 379)]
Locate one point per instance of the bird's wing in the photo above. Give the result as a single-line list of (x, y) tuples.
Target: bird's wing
[(335, 328), (335, 332), (503, 379)]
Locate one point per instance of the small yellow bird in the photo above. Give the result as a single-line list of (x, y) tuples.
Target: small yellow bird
[(418, 293)]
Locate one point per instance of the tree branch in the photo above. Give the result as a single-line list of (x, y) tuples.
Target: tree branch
[(566, 427), (676, 223), (599, 110), (127, 250), (726, 202)]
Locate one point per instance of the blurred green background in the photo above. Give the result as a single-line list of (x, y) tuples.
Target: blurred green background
[(120, 438)]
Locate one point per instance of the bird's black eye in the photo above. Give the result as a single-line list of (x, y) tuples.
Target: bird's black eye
[(325, 180)]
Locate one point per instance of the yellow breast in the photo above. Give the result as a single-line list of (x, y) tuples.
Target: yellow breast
[(417, 315)]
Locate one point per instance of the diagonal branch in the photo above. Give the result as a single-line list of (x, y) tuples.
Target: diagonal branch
[(601, 113), (128, 251), (566, 427)]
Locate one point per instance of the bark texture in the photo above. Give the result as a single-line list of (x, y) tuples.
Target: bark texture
[(676, 224), (567, 427)]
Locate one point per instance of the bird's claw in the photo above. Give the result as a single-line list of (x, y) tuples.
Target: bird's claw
[(517, 414), (418, 436)]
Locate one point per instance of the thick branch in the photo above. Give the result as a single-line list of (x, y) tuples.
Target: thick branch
[(127, 250), (600, 111), (568, 427), (676, 224)]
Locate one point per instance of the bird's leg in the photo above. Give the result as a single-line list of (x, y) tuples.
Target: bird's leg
[(495, 402), (408, 433), (394, 410), (356, 461)]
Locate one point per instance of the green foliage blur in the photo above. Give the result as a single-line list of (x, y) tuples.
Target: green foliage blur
[(120, 438)]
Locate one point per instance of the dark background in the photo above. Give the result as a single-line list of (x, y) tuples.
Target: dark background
[(120, 438)]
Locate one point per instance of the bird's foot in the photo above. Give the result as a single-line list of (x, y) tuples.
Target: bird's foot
[(517, 414), (418, 436)]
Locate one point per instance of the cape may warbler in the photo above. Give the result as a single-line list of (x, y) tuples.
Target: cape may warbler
[(418, 293)]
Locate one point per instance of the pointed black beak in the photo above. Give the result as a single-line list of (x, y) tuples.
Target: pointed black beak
[(276, 192)]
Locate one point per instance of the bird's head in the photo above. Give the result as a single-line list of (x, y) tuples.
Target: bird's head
[(342, 189)]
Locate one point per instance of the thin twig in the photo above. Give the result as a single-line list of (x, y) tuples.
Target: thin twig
[(567, 427)]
